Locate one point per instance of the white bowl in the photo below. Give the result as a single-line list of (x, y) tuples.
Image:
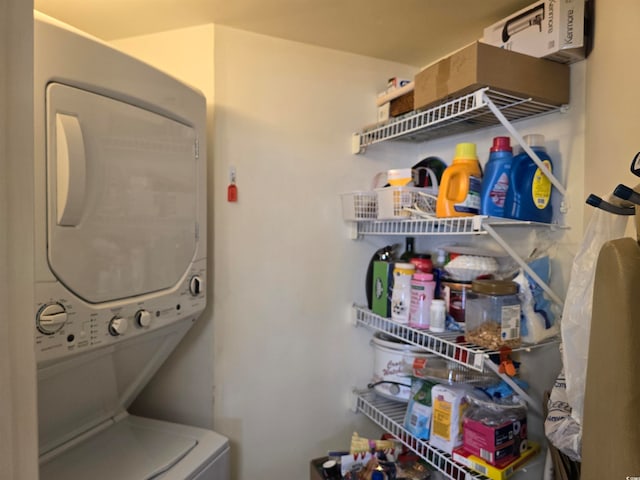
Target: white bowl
[(466, 268)]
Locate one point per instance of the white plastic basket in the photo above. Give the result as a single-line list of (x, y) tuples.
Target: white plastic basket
[(405, 202), (359, 206)]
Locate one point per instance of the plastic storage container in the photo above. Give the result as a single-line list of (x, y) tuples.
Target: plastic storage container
[(460, 186), (455, 298), (359, 206), (390, 356), (422, 288), (529, 194), (495, 182), (492, 314), (401, 292), (437, 316)]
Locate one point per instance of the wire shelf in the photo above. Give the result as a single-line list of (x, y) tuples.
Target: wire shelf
[(389, 415), (443, 344), (431, 226), (465, 113), (474, 225)]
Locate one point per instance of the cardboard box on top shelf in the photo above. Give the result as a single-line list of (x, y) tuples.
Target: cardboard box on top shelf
[(479, 65), (549, 29), (401, 105)]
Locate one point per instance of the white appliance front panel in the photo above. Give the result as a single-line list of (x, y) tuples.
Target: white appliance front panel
[(143, 449), (122, 192), (86, 327)]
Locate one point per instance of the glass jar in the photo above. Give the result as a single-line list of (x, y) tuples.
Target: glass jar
[(493, 314), (455, 298)]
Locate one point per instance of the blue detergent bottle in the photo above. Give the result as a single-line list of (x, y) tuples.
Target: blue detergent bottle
[(495, 182), (529, 194)]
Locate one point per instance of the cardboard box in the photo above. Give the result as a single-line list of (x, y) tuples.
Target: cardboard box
[(381, 288), (503, 472), (449, 403), (383, 112), (545, 29), (496, 444), (479, 65), (401, 105)]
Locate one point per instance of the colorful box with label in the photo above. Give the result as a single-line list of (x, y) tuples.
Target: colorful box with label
[(381, 288), (496, 444)]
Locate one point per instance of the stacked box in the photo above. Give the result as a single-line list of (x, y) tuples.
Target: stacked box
[(497, 444), (479, 65), (381, 288), (545, 29)]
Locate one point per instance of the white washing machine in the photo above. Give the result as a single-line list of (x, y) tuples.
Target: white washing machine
[(120, 254)]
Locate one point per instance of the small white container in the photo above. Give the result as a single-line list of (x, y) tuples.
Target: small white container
[(422, 288), (438, 316), (401, 293)]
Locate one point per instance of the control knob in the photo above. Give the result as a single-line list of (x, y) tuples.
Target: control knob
[(143, 318), (118, 326), (51, 318), (196, 285)]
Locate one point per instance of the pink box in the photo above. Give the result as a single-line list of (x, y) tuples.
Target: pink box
[(497, 444)]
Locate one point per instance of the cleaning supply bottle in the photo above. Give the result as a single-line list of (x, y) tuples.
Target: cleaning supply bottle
[(459, 191), (529, 194), (495, 181)]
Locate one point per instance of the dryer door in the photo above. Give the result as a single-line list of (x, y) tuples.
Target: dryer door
[(122, 196)]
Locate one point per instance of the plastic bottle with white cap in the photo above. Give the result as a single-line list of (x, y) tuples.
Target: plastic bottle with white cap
[(438, 316)]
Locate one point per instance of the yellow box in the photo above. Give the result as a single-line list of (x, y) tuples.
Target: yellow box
[(490, 471)]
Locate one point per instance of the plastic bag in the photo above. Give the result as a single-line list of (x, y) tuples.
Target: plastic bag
[(417, 419), (538, 318), (560, 428), (576, 317)]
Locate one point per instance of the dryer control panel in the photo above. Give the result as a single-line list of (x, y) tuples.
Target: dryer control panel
[(66, 325)]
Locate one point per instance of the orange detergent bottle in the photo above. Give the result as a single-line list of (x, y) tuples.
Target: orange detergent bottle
[(461, 183)]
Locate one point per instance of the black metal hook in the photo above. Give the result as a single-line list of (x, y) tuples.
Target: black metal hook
[(627, 193), (598, 202), (635, 165)]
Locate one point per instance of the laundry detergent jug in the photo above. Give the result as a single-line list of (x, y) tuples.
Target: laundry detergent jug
[(529, 194), (495, 181), (460, 186)]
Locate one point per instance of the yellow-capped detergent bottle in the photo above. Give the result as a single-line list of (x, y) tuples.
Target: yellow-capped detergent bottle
[(461, 184)]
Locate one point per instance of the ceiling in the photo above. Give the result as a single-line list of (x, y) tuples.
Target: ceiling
[(414, 32)]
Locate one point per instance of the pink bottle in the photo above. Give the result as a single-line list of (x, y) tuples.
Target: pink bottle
[(422, 288)]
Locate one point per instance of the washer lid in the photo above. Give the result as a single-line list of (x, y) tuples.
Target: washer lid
[(123, 450), (122, 195)]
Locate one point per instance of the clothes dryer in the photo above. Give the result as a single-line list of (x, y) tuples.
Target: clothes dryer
[(120, 255)]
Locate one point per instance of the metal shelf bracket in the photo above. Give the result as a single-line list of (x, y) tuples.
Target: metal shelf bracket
[(522, 264), (515, 134)]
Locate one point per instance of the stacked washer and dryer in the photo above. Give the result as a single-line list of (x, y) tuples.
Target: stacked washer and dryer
[(120, 254)]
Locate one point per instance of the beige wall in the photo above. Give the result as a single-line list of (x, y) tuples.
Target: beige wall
[(287, 354), (18, 422), (613, 98), (183, 393)]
